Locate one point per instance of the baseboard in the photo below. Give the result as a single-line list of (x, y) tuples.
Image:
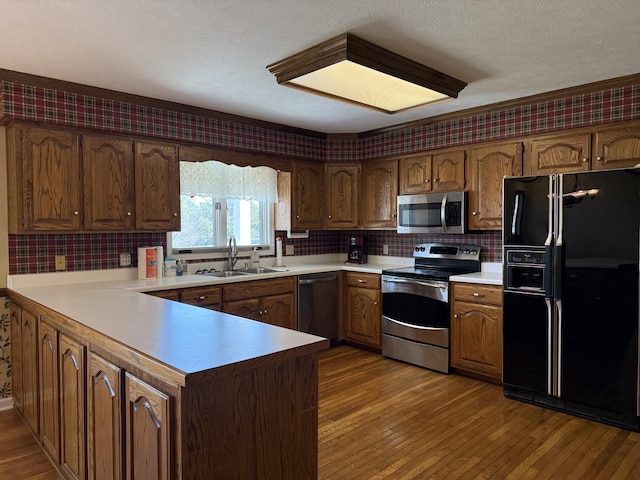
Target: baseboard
[(6, 403)]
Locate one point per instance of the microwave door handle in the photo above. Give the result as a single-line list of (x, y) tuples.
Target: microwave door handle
[(443, 217)]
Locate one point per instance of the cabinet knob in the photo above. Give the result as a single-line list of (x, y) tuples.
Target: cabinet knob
[(474, 213), (375, 303), (435, 180), (298, 217), (455, 316), (260, 312), (585, 160), (361, 281), (202, 297), (128, 214), (600, 159), (175, 214), (476, 294), (393, 215), (75, 212), (426, 181), (329, 216), (264, 311)]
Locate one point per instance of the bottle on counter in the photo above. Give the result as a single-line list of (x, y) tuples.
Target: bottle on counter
[(179, 268)]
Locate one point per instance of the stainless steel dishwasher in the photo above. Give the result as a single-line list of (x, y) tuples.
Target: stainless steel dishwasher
[(318, 304)]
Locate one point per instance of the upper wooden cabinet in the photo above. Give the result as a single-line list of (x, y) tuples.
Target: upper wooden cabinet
[(157, 187), (342, 189), (43, 168), (616, 147), (439, 171), (489, 164), (307, 192), (108, 183), (378, 195), (62, 181), (558, 153)]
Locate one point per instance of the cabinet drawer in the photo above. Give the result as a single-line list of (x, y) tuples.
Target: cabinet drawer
[(202, 295), (258, 288), (477, 293), (168, 294), (363, 280)]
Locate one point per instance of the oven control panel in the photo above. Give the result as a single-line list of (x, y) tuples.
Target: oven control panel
[(448, 251)]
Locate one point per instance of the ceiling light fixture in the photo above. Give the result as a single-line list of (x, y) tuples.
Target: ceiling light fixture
[(353, 70)]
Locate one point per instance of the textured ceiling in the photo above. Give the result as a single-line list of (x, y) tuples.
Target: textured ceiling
[(213, 53)]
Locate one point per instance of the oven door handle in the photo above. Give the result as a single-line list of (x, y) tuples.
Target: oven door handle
[(411, 325), (443, 212), (416, 282)]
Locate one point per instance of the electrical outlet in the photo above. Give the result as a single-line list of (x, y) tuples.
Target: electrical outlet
[(289, 250), (385, 249), (125, 259), (61, 263)]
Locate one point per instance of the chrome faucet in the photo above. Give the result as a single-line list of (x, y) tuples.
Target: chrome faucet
[(233, 253)]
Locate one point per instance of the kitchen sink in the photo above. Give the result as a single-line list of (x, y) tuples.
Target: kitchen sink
[(261, 270), (226, 273)]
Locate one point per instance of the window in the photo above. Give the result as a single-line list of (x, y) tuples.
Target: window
[(219, 200)]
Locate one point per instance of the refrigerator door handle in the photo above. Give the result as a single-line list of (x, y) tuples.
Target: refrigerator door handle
[(549, 346), (559, 351), (549, 238), (560, 209)]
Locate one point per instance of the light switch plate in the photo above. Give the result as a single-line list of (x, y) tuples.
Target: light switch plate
[(288, 249), (385, 249)]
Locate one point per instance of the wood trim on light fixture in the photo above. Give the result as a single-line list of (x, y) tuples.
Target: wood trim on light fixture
[(348, 47)]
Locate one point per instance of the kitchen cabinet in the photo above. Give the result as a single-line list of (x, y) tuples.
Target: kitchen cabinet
[(307, 192), (342, 194), (476, 329), (61, 181), (489, 164), (24, 356), (105, 418), (378, 194), (167, 294), (49, 394), (108, 183), (616, 146), (157, 187), (207, 297), (558, 153), (148, 431), (438, 171), (43, 168), (270, 301), (363, 309)]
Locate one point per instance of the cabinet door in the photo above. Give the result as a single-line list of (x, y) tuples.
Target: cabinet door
[(51, 189), (30, 383), (249, 308), (559, 153), (476, 338), (379, 194), (415, 174), (342, 195), (448, 168), (72, 407), (16, 356), (307, 209), (157, 187), (617, 147), (279, 310), (107, 165), (363, 316), (105, 418), (148, 431), (489, 164), (49, 393)]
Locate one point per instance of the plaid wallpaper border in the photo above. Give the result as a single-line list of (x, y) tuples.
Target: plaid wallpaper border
[(39, 104)]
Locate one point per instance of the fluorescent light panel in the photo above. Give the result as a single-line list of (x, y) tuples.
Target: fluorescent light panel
[(350, 69)]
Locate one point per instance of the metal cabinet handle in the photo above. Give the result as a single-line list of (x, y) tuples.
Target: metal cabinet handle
[(202, 297), (476, 294), (361, 281)]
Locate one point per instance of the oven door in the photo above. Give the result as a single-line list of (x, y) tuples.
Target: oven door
[(416, 309)]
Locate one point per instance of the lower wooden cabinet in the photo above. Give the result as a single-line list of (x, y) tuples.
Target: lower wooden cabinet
[(207, 297), (363, 309), (476, 329), (49, 394), (270, 301)]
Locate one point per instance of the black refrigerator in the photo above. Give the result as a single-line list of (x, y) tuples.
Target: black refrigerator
[(570, 319)]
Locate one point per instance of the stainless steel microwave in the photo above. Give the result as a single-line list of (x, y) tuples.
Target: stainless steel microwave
[(432, 213)]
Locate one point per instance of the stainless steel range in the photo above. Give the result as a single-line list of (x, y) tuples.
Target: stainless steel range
[(415, 304)]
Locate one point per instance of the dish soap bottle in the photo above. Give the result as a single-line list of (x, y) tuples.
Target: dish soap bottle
[(179, 268)]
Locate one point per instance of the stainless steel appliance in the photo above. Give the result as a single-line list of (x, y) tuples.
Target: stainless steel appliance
[(432, 213), (570, 315), (358, 249), (415, 304), (318, 304)]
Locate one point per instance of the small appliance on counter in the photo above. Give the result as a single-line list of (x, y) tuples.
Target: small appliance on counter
[(357, 250)]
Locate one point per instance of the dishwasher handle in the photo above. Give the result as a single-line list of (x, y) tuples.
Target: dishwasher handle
[(317, 280)]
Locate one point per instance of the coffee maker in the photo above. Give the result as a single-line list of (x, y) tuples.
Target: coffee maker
[(357, 250)]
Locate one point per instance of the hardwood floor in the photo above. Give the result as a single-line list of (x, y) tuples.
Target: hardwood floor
[(383, 419), (20, 456)]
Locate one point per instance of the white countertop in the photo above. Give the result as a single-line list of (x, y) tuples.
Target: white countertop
[(491, 274)]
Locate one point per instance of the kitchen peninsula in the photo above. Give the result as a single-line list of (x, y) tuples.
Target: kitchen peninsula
[(171, 390)]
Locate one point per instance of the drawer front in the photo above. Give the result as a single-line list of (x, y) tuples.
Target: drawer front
[(363, 280), (202, 295), (473, 292), (258, 288), (168, 294)]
